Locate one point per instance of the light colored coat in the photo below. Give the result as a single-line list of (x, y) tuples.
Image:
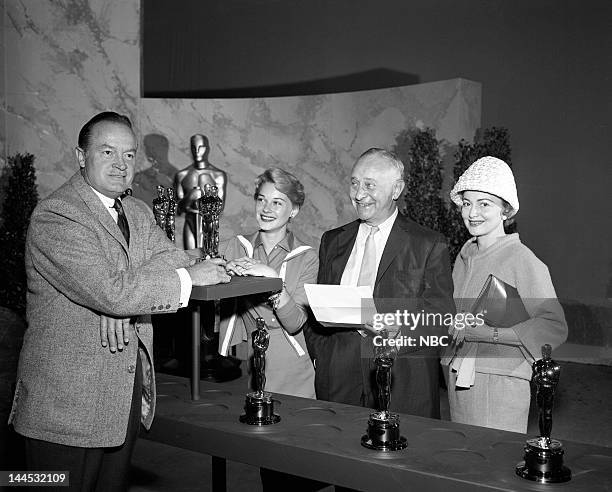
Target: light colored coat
[(289, 369), (71, 390)]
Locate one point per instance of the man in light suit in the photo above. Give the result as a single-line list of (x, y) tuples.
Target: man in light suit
[(97, 268), (408, 268)]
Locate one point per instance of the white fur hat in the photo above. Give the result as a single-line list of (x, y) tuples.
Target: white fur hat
[(491, 175)]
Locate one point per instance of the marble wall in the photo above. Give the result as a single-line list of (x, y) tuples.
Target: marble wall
[(317, 138), (67, 60)]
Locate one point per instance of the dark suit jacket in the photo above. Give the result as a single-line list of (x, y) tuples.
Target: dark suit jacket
[(414, 274)]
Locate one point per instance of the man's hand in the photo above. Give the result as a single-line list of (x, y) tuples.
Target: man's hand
[(209, 272), (114, 332), (392, 330), (194, 252)]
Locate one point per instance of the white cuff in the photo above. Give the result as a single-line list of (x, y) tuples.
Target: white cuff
[(186, 285)]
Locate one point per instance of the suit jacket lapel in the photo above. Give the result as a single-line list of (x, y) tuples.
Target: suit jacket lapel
[(97, 208), (344, 245), (395, 242)]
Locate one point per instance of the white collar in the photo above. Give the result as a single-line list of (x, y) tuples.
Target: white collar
[(385, 227), (109, 202)]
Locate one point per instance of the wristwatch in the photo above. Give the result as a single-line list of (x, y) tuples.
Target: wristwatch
[(495, 335)]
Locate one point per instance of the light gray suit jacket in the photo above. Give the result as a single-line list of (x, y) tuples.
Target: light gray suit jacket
[(71, 390)]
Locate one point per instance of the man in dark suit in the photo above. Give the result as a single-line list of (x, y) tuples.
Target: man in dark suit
[(408, 267), (97, 267)]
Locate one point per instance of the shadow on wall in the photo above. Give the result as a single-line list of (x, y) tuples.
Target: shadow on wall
[(161, 171), (378, 78)]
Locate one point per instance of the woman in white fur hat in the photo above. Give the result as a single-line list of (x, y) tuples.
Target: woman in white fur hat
[(489, 368)]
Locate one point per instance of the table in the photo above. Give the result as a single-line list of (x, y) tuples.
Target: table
[(238, 286), (321, 440)]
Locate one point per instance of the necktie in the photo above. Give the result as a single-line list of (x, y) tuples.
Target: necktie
[(121, 220), (367, 274)]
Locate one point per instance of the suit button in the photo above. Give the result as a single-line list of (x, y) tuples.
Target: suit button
[(131, 368), (160, 307), (167, 306), (153, 308)]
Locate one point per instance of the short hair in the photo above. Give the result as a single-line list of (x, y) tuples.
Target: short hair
[(387, 155), (283, 181), (106, 116)]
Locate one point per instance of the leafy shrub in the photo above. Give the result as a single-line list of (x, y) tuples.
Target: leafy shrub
[(20, 198)]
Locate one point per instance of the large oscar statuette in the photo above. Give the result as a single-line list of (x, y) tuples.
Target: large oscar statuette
[(543, 459), (259, 406), (384, 426)]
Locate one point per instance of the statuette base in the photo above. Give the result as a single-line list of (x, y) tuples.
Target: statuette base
[(259, 409), (384, 433), (543, 462)]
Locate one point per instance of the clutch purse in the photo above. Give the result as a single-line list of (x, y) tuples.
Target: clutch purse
[(500, 304)]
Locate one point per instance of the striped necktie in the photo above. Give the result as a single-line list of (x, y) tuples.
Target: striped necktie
[(121, 220)]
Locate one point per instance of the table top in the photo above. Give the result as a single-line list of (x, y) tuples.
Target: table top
[(321, 440), (238, 286)]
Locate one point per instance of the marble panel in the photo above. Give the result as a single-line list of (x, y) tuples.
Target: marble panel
[(317, 138), (68, 61)]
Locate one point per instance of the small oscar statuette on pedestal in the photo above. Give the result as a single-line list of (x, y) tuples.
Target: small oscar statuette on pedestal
[(164, 210), (543, 459), (210, 207), (259, 406), (383, 426)]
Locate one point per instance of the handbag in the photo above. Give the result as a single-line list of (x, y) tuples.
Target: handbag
[(500, 304)]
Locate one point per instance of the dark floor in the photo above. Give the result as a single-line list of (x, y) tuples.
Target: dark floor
[(582, 413)]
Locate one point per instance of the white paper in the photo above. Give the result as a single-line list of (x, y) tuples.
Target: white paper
[(341, 305)]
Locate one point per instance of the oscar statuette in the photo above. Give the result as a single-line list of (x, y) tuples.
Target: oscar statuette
[(164, 210), (383, 432), (259, 406), (210, 206), (543, 458)]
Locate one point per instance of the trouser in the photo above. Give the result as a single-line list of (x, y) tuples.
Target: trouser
[(91, 469)]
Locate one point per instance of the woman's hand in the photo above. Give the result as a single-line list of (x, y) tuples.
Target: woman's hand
[(240, 265), (260, 270), (461, 330), (457, 332)]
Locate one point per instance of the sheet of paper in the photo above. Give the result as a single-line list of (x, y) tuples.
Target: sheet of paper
[(341, 305)]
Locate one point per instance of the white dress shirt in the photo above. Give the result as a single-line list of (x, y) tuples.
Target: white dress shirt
[(184, 277), (350, 276)]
